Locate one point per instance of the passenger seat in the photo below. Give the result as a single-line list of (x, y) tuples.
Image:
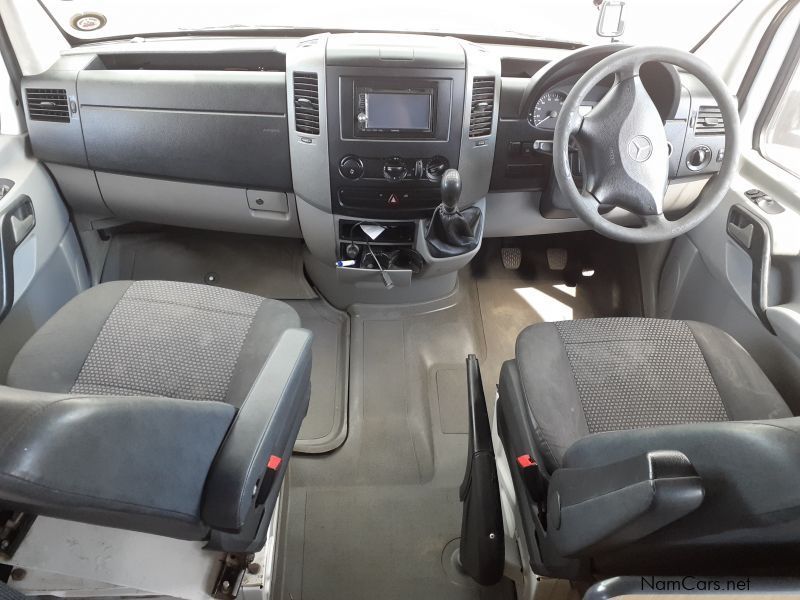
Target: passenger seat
[(162, 407)]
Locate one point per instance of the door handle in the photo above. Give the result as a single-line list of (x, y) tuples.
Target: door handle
[(22, 227), (23, 220), (743, 235), (16, 223), (752, 235)]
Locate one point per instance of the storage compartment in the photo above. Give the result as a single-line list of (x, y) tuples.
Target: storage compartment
[(394, 232), (372, 277), (215, 127), (197, 205), (392, 249), (210, 117)]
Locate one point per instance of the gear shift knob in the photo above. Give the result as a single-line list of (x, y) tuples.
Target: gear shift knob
[(451, 190)]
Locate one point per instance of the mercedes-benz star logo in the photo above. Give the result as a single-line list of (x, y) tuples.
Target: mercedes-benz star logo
[(640, 148)]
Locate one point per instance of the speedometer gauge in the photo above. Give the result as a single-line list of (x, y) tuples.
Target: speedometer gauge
[(546, 110)]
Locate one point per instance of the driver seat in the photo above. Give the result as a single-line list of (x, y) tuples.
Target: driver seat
[(648, 446)]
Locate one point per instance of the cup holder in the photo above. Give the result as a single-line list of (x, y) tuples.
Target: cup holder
[(404, 259)]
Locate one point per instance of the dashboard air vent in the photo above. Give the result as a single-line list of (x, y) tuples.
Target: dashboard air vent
[(709, 121), (47, 105), (306, 103), (482, 109)]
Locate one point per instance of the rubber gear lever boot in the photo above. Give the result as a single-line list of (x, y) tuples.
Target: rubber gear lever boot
[(451, 232)]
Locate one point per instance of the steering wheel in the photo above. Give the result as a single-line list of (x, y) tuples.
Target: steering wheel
[(625, 150)]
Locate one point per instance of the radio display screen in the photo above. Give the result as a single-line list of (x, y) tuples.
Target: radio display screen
[(398, 111)]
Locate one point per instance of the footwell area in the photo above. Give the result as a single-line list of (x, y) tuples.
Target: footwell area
[(600, 278), (379, 516), (373, 519)]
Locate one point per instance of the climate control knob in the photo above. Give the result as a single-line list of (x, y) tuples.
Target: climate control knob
[(351, 167), (395, 168), (436, 168)]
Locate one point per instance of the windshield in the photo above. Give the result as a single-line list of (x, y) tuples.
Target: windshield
[(676, 23)]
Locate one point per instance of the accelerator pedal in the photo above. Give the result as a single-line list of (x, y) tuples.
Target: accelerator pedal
[(512, 258)]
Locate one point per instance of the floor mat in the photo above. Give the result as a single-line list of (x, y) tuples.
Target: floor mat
[(360, 554), (373, 519), (269, 267), (325, 426)]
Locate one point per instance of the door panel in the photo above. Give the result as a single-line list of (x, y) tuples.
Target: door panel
[(740, 269), (42, 265)]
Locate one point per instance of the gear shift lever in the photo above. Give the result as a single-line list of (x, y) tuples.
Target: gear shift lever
[(452, 232), (451, 190)]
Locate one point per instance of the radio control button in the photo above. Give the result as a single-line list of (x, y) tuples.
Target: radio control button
[(351, 167)]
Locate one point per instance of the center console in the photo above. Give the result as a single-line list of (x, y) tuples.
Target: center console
[(392, 138), (375, 122)]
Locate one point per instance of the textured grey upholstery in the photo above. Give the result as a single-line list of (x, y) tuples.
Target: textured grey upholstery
[(154, 338), (7, 593), (633, 373), (156, 406), (581, 377)]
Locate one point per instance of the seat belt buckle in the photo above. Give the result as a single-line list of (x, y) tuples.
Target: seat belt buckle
[(532, 477)]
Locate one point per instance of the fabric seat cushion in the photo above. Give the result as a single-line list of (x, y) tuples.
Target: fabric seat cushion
[(594, 375), (154, 338)]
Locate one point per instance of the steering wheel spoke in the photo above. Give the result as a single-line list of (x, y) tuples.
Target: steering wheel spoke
[(658, 221), (628, 71)]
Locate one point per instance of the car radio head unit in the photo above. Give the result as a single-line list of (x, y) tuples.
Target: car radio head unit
[(395, 112)]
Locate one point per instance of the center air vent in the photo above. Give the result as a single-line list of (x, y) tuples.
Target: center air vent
[(482, 109), (709, 121), (306, 103), (48, 105)]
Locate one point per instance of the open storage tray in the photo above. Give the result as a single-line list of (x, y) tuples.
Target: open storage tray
[(372, 277)]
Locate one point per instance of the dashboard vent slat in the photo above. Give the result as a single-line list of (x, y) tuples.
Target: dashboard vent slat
[(482, 107), (306, 103), (47, 105), (709, 121)]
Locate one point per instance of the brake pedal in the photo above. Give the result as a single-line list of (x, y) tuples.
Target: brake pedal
[(557, 259), (512, 258)]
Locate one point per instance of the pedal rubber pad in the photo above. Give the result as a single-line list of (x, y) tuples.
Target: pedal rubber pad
[(557, 259), (512, 258)]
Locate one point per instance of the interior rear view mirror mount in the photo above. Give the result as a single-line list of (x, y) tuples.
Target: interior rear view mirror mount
[(609, 22)]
